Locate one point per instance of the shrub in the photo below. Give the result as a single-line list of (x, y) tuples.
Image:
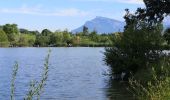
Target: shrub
[(158, 85)]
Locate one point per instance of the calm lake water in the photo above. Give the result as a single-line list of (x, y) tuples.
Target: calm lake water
[(74, 74)]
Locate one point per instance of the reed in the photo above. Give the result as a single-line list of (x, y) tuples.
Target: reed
[(35, 87)]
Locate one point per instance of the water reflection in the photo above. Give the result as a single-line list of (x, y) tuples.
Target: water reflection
[(117, 90)]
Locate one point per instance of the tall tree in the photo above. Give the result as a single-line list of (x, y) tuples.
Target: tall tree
[(141, 41), (46, 32), (153, 13), (85, 30)]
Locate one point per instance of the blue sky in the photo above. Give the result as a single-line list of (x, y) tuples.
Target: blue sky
[(61, 14)]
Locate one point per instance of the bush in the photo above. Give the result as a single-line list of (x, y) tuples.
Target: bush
[(157, 86)]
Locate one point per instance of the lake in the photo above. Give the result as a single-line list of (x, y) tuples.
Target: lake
[(74, 74)]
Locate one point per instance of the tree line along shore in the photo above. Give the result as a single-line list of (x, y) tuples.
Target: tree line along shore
[(12, 36)]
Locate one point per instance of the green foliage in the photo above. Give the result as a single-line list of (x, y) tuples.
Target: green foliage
[(26, 40), (3, 39), (34, 32), (153, 13), (134, 49), (167, 36), (46, 32), (66, 36), (156, 9), (75, 40), (42, 41), (158, 85), (23, 37), (56, 38), (12, 32), (24, 31), (85, 30), (94, 37)]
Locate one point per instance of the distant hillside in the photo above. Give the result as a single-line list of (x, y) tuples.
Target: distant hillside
[(102, 25)]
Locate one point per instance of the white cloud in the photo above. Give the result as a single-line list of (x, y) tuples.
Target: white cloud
[(38, 10), (131, 1), (121, 1), (69, 12)]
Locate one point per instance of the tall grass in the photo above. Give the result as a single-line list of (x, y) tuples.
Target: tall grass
[(158, 88), (36, 87)]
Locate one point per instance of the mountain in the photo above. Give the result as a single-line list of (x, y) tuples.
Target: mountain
[(102, 25), (108, 25)]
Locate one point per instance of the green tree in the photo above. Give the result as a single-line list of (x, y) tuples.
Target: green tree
[(42, 41), (24, 31), (26, 40), (93, 36), (66, 37), (76, 40), (167, 36), (35, 32), (85, 30), (153, 13), (12, 32), (155, 9), (46, 32), (3, 39), (135, 48), (56, 38)]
